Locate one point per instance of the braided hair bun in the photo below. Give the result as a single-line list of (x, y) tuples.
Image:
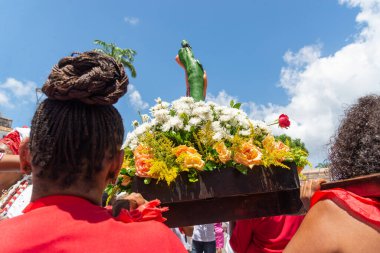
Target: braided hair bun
[(92, 78)]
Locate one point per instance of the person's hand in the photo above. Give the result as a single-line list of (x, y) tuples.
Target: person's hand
[(218, 250), (25, 165), (308, 189), (135, 200), (130, 202)]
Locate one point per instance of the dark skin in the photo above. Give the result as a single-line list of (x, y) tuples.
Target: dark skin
[(329, 228), (91, 191), (9, 168)]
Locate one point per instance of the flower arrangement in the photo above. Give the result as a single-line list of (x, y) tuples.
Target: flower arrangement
[(188, 136)]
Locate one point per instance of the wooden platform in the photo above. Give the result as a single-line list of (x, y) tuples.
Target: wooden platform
[(226, 195), (365, 186)]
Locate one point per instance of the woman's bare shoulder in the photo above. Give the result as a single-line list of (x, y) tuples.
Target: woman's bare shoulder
[(329, 228)]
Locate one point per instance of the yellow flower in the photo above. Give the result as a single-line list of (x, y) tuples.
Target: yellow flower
[(224, 154), (248, 155), (188, 157), (161, 171), (193, 161), (269, 143), (277, 147)]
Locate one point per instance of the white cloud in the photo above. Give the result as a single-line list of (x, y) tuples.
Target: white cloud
[(134, 98), (320, 88), (132, 20), (4, 100), (222, 98), (13, 92)]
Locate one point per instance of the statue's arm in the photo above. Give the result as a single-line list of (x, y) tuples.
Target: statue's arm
[(179, 62), (204, 84)]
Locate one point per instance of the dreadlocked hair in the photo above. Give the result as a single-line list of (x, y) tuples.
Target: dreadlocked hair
[(355, 150), (77, 125)]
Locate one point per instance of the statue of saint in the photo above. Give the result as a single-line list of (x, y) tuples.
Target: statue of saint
[(196, 78)]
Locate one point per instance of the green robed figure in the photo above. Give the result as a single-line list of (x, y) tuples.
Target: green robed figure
[(196, 78)]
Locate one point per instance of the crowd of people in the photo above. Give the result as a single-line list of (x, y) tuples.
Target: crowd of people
[(52, 180)]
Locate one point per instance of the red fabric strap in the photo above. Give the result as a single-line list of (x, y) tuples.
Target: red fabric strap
[(146, 212), (365, 208)]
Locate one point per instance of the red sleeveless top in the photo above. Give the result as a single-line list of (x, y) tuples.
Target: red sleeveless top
[(367, 209)]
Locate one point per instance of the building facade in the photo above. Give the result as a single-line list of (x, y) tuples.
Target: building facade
[(5, 126)]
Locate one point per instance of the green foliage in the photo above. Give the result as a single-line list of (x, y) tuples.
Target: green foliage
[(124, 56), (321, 165), (243, 169), (297, 148), (193, 176), (233, 105), (210, 166)]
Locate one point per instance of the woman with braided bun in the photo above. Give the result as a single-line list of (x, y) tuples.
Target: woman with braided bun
[(75, 140)]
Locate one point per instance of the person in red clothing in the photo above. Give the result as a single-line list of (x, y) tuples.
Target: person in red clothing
[(264, 235), (74, 152), (339, 220)]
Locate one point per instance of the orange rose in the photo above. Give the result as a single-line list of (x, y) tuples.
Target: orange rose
[(188, 157), (248, 155), (224, 154), (281, 146), (143, 157), (269, 143), (184, 149), (125, 180), (193, 161)]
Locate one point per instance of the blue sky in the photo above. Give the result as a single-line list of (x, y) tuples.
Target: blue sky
[(249, 49)]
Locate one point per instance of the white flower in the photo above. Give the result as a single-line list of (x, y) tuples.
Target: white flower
[(145, 127), (145, 118), (202, 112), (216, 127), (161, 115), (181, 107), (261, 124), (135, 123), (131, 141), (158, 100), (161, 105), (188, 100), (245, 132), (217, 136), (174, 123), (195, 121)]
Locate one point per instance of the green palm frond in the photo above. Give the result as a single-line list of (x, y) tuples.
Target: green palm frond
[(124, 56)]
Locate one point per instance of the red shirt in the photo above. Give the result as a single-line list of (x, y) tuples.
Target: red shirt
[(366, 209), (264, 235), (73, 224)]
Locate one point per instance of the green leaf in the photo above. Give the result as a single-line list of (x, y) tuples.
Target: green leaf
[(210, 166), (232, 103), (237, 106), (147, 180), (243, 169), (193, 176)]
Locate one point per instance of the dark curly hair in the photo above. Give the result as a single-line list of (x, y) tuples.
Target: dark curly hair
[(355, 150), (77, 124)]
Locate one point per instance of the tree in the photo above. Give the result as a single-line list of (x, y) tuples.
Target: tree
[(123, 56), (322, 165)]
